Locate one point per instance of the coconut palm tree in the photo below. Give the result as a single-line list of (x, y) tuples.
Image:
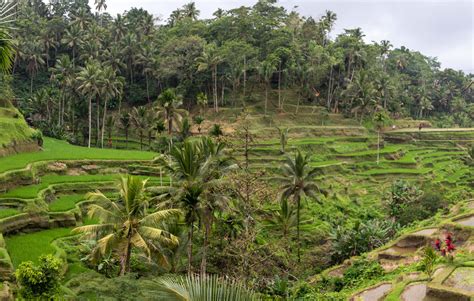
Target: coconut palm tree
[(6, 51), (196, 168), (169, 102), (380, 120), (90, 83), (209, 60), (202, 288), (190, 11), (112, 87), (72, 38), (34, 60), (126, 123), (184, 165), (297, 178), (284, 219), (140, 120), (125, 223), (266, 70)]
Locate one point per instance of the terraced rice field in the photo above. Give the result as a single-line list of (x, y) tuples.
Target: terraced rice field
[(348, 168)]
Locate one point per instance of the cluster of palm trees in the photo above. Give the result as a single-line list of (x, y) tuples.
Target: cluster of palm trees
[(197, 169)]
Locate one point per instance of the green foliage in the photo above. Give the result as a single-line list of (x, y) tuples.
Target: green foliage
[(60, 150), (364, 236), (403, 198), (429, 260), (30, 246), (202, 288), (127, 224), (216, 130), (361, 270), (39, 281)]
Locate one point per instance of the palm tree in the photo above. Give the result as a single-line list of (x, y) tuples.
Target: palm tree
[(125, 122), (109, 125), (129, 47), (297, 180), (284, 219), (100, 4), (73, 39), (145, 58), (125, 223), (140, 120), (90, 82), (34, 59), (210, 59), (203, 288), (81, 18), (380, 120), (283, 133), (196, 168), (49, 42), (185, 167), (169, 102), (111, 88), (190, 11), (266, 70), (6, 52)]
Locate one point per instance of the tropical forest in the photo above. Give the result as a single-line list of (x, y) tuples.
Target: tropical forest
[(253, 154)]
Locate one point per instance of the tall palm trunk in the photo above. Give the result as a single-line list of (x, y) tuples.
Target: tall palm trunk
[(214, 76), (298, 204), (204, 250), (103, 124), (190, 248), (378, 146), (170, 121), (279, 87), (147, 87), (125, 260), (266, 97), (90, 122), (98, 122)]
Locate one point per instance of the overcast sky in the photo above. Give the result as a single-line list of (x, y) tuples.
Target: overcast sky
[(442, 29)]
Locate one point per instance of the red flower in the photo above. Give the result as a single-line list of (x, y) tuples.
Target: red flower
[(438, 244)]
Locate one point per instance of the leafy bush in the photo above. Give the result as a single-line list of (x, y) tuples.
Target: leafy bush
[(39, 281), (403, 198), (216, 130), (362, 270), (361, 238)]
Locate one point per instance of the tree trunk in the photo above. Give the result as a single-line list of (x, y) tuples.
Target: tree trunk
[(207, 231), (245, 75), (125, 260), (328, 104), (378, 147), (141, 140), (216, 104), (126, 138), (190, 248), (90, 122), (31, 85), (298, 204), (279, 87), (170, 123), (103, 124), (147, 87), (98, 122), (266, 98)]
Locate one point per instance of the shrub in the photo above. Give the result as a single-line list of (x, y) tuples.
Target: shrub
[(39, 281), (402, 200), (216, 130)]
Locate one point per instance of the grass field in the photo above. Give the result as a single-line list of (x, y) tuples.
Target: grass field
[(6, 212), (65, 202), (61, 150), (30, 246)]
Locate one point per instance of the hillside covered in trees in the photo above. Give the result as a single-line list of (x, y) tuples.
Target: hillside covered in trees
[(255, 155), (67, 56)]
